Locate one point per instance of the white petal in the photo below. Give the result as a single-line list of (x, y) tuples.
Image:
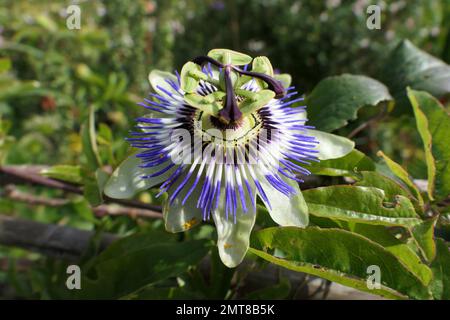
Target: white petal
[(158, 78), (127, 179), (284, 210), (331, 146), (233, 239), (179, 217)]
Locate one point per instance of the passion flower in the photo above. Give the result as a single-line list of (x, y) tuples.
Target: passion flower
[(217, 137)]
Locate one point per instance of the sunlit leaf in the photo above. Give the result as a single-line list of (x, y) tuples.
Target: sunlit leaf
[(339, 256), (360, 204), (433, 124), (402, 250), (64, 172), (424, 237), (349, 165), (403, 175)]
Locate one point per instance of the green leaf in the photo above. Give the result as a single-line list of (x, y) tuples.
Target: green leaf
[(433, 124), (190, 76), (62, 172), (127, 180), (440, 286), (331, 146), (226, 56), (89, 141), (409, 66), (338, 256), (403, 175), (348, 166), (390, 187), (403, 251), (263, 218), (360, 204), (423, 234), (136, 261), (336, 100)]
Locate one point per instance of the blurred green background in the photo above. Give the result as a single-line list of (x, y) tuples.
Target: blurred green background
[(50, 75)]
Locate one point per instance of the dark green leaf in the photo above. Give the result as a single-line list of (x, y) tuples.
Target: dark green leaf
[(136, 261), (336, 100), (410, 66)]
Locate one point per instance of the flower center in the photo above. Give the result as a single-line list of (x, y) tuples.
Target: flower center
[(230, 116), (211, 129)]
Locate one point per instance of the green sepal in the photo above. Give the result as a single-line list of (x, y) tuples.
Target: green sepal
[(189, 77), (262, 65), (234, 57)]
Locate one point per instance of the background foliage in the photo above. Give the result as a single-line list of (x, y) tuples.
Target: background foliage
[(68, 97)]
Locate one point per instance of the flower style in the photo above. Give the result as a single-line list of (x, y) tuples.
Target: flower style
[(216, 137)]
